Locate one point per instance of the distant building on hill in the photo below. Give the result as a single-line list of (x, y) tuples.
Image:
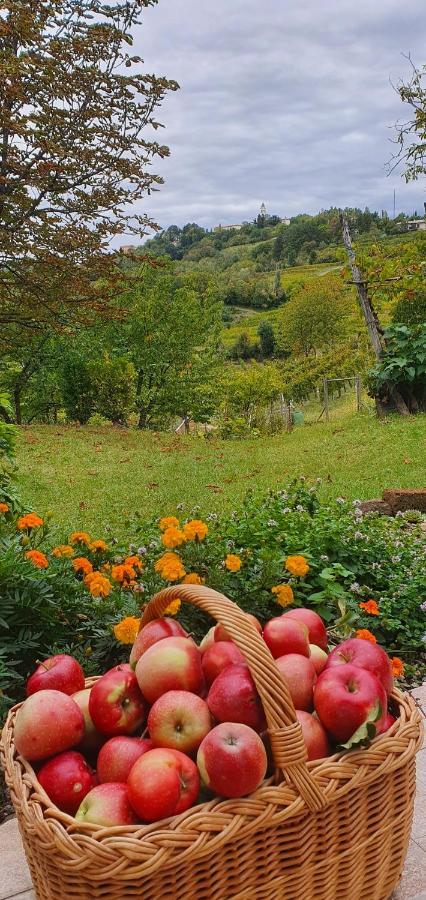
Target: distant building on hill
[(263, 217), (227, 227), (416, 225), (127, 248)]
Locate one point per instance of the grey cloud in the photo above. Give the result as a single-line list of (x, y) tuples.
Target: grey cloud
[(282, 102)]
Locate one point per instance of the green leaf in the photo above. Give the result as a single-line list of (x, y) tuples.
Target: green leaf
[(363, 736)]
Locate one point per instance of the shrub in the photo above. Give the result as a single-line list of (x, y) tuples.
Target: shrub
[(85, 597)]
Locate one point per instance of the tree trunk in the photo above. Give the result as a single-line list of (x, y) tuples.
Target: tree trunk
[(17, 391)]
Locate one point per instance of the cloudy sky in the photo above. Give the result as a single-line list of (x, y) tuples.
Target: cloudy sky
[(284, 101)]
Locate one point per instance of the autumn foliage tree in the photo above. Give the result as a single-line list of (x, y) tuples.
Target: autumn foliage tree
[(77, 139)]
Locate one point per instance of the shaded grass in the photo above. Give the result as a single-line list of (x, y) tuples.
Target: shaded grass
[(91, 477)]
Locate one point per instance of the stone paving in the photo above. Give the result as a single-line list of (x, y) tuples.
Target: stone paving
[(15, 881)]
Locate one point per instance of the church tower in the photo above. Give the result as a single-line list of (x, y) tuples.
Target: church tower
[(263, 212)]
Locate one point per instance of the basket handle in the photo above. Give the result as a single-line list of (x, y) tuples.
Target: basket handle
[(285, 733)]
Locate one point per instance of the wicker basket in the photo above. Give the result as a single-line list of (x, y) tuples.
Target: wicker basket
[(335, 829)]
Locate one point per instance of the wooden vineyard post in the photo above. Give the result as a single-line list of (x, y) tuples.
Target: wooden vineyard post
[(358, 393), (375, 333), (367, 309), (326, 410)]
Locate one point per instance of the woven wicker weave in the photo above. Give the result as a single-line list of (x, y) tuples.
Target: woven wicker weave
[(335, 829)]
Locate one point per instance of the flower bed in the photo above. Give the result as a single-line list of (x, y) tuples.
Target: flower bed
[(363, 574)]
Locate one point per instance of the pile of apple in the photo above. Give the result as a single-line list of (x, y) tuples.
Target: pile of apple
[(181, 723)]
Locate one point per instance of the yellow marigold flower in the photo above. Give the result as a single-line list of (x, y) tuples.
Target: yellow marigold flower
[(398, 667), (134, 561), (37, 558), (365, 635), (195, 530), (80, 537), (233, 563), (170, 567), (284, 594), (123, 573), (4, 508), (127, 630), (98, 546), (297, 565), (81, 564), (63, 550), (99, 585), (370, 607), (172, 537), (173, 608), (168, 522), (193, 578), (31, 520)]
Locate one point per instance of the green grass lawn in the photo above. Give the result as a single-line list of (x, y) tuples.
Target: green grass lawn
[(90, 477)]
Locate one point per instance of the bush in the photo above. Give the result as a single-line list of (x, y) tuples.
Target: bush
[(402, 367), (85, 597)]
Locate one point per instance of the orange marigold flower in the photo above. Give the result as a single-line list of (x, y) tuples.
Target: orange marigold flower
[(172, 537), (134, 561), (80, 537), (31, 520), (284, 594), (168, 522), (195, 530), (37, 558), (99, 585), (365, 635), (398, 667), (193, 578), (127, 630), (81, 564), (233, 563), (63, 550), (123, 573), (297, 566), (370, 607), (173, 608), (4, 508), (170, 567), (98, 546)]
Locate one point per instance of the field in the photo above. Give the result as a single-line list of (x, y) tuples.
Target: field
[(93, 477)]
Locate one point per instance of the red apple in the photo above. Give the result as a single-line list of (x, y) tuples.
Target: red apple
[(388, 722), (284, 635), (300, 676), (218, 657), (57, 673), (116, 704), (92, 739), (233, 698), (171, 664), (365, 655), (48, 722), (163, 783), (154, 631), (350, 702), (179, 720), (207, 640), (319, 657), (107, 805), (314, 623), (67, 778), (232, 760), (221, 634), (314, 735), (118, 755)]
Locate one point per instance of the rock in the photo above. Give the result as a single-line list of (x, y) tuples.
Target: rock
[(376, 506), (401, 500)]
